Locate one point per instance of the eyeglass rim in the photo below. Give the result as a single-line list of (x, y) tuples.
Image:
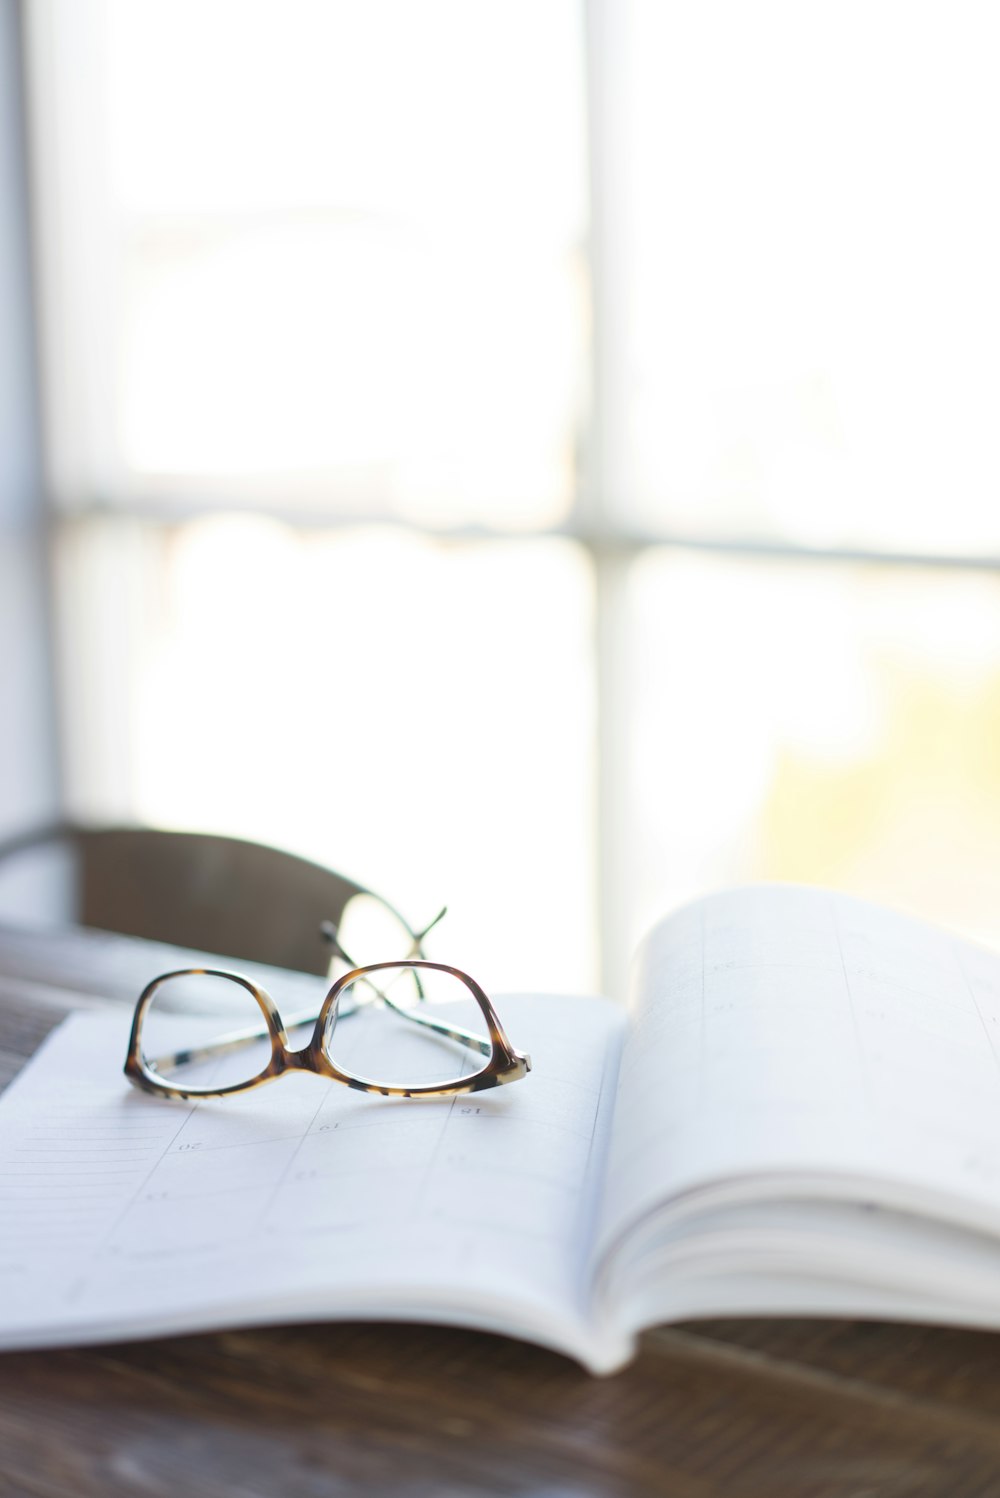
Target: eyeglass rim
[(505, 1063)]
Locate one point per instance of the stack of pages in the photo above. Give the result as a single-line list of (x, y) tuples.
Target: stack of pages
[(798, 1114)]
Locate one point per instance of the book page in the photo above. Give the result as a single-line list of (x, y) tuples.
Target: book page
[(791, 1040), (122, 1214)]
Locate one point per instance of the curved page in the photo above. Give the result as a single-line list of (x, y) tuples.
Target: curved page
[(121, 1214), (783, 1034)]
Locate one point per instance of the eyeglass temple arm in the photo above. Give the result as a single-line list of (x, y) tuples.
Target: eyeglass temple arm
[(225, 1043), (450, 1032), (329, 931)]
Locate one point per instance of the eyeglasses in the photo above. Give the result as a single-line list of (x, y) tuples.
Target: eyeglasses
[(417, 1029)]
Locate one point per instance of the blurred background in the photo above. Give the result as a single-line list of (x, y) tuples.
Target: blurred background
[(534, 454)]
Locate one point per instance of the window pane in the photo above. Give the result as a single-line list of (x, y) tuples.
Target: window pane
[(806, 243), (418, 715), (339, 251), (831, 725)]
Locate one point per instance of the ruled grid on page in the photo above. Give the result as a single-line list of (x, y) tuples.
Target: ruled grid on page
[(115, 1205), (780, 1031)]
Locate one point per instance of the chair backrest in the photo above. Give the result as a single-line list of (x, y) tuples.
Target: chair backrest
[(193, 889)]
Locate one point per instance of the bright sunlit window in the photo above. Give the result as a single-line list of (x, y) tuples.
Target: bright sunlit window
[(539, 457)]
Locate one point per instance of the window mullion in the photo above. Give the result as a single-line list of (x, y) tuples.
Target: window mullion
[(596, 484)]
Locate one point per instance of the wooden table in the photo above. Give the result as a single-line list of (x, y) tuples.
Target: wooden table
[(764, 1408)]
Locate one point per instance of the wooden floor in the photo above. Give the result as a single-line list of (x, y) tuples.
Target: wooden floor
[(763, 1408)]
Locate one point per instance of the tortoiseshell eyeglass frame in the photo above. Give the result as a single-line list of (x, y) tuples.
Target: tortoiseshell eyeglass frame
[(504, 1063)]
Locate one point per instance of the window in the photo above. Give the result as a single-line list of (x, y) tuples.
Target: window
[(541, 457)]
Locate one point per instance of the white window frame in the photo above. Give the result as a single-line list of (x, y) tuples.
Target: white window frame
[(611, 546)]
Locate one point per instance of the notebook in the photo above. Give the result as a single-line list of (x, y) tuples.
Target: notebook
[(797, 1113)]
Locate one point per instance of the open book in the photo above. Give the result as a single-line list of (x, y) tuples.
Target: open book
[(800, 1113)]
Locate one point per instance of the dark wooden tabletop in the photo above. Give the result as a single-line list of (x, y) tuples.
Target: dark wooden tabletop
[(764, 1408)]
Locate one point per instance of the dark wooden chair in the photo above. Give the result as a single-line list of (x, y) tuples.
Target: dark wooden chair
[(193, 889)]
